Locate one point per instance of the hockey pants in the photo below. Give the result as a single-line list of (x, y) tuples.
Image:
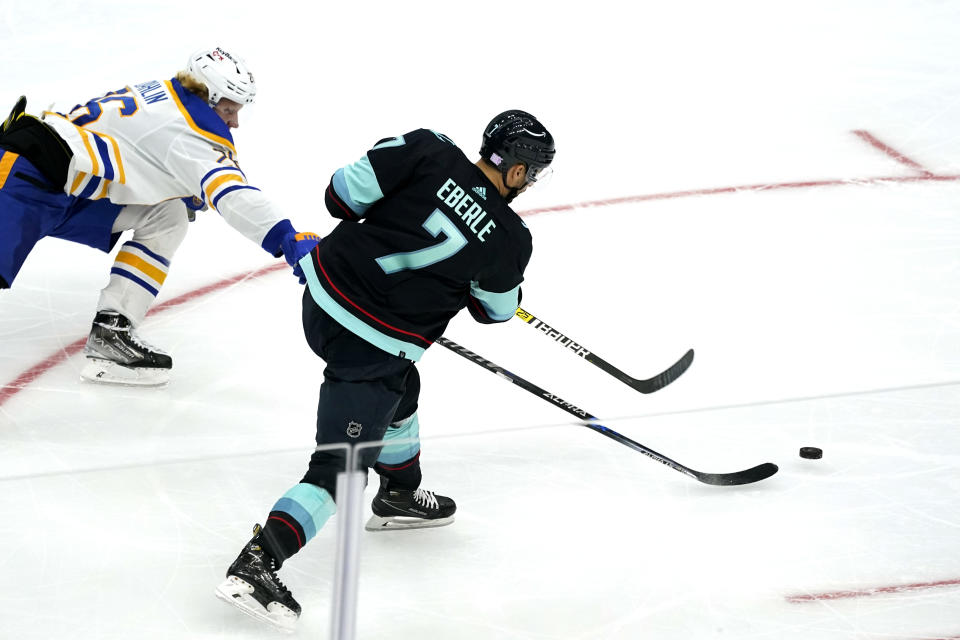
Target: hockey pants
[(32, 209), (367, 395)]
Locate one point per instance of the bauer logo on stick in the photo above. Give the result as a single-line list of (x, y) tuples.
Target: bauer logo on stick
[(523, 315)]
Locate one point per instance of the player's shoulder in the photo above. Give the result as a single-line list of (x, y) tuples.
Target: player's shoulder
[(198, 119), (519, 231), (422, 141), (425, 151), (431, 137)]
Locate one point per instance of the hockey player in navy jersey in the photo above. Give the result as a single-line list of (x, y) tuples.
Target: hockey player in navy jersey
[(129, 160), (425, 233)]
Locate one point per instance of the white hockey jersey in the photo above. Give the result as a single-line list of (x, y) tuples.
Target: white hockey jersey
[(156, 141)]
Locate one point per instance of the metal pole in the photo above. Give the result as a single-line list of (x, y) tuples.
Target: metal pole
[(350, 511), (350, 486)]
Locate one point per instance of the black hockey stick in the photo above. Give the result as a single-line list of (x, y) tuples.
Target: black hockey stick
[(747, 476), (649, 385)]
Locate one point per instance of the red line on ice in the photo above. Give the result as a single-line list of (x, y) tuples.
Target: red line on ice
[(11, 389), (872, 591), (747, 188), (872, 140)]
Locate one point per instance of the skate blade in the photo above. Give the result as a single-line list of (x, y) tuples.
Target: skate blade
[(391, 523), (239, 593), (108, 372)]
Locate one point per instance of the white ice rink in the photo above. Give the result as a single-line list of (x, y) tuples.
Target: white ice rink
[(776, 185)]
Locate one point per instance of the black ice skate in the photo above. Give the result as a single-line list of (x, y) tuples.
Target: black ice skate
[(400, 509), (253, 587), (117, 355)]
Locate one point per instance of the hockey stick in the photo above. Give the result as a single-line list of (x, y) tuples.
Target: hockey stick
[(649, 385), (747, 476)]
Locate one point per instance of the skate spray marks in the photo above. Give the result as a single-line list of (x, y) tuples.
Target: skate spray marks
[(19, 383)]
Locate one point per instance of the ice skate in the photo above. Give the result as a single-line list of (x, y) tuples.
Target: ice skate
[(253, 587), (116, 354), (400, 509)]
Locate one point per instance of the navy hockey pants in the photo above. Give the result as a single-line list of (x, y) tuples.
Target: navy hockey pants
[(364, 391), (31, 209)]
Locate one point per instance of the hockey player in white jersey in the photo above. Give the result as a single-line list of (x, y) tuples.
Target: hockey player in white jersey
[(134, 159)]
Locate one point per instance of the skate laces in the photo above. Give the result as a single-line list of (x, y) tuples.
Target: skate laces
[(276, 579), (123, 326), (270, 565), (426, 498), (140, 342), (268, 561)]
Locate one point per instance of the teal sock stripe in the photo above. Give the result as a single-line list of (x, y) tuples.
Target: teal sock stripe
[(397, 453), (309, 505)]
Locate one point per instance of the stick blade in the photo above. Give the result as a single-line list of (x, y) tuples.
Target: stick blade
[(747, 476), (661, 380)]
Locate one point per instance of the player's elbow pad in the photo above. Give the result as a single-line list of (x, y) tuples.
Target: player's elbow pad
[(480, 314), (336, 206)]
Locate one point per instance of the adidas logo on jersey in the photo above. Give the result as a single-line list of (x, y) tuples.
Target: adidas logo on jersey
[(481, 191)]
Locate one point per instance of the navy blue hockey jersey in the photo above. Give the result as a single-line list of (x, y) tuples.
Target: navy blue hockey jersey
[(424, 234)]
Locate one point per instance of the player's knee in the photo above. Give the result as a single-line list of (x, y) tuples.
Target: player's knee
[(174, 222), (166, 222), (322, 478), (409, 387), (324, 468), (179, 224)]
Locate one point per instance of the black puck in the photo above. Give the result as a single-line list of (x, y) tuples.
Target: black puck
[(811, 453)]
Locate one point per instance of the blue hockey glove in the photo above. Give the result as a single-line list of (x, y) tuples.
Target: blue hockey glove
[(194, 204), (295, 246)]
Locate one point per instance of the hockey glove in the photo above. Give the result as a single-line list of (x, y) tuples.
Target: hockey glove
[(295, 246), (194, 204)]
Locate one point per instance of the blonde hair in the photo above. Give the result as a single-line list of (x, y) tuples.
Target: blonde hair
[(194, 85)]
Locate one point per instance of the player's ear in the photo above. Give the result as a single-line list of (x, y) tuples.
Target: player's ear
[(516, 175)]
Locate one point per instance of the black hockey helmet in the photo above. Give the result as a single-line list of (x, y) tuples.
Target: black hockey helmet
[(516, 136)]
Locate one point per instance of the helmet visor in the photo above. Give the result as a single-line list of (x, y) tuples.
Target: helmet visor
[(538, 173)]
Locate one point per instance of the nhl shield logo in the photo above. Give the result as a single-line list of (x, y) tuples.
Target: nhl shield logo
[(353, 429)]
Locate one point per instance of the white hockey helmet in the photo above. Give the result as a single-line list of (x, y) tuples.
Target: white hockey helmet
[(225, 75)]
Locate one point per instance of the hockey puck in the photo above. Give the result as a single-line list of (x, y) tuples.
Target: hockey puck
[(811, 453)]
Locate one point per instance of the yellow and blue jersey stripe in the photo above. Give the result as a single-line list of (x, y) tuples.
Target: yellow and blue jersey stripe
[(199, 116), (221, 181), (103, 161)]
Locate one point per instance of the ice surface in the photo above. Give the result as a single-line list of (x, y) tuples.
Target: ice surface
[(815, 273)]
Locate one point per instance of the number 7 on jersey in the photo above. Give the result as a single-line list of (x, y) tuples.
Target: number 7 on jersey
[(435, 224)]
